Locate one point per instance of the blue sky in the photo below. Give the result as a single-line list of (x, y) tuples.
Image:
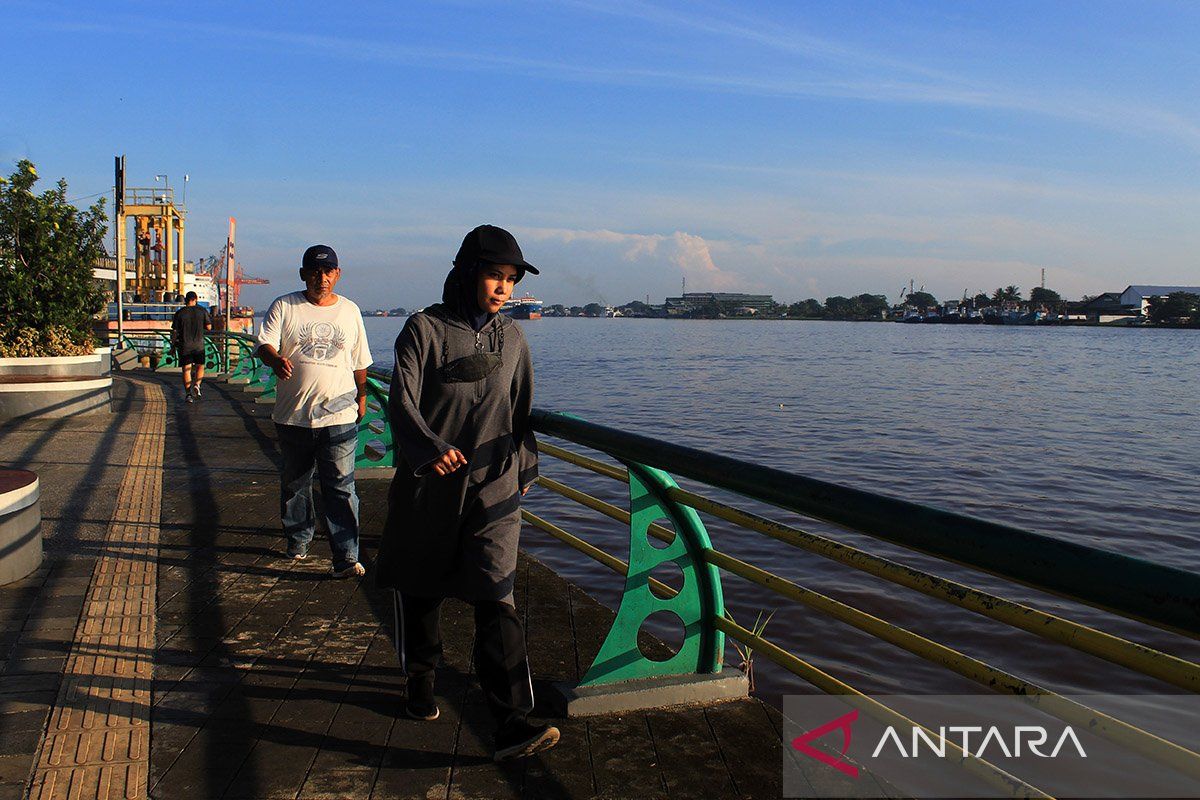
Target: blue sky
[(801, 149)]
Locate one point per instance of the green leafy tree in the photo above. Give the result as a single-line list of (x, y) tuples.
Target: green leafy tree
[(807, 309), (1045, 297), (636, 308), (593, 310), (981, 300), (871, 306), (1007, 294), (48, 249), (1175, 308), (921, 300), (838, 307)]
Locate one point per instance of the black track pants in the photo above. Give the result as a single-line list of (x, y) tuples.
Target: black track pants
[(500, 657)]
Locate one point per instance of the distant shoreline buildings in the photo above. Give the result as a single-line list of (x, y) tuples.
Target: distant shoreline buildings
[(1137, 304), (728, 303)]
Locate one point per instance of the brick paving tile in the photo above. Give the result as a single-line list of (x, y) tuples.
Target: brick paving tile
[(97, 739)]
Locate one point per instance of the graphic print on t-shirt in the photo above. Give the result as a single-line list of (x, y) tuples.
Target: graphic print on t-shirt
[(322, 340)]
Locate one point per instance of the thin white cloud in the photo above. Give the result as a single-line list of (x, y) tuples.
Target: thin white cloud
[(738, 24)]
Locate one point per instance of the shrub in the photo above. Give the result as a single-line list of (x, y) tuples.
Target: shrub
[(53, 341), (48, 248)]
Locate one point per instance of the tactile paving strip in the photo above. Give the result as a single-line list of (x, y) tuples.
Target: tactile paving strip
[(97, 744)]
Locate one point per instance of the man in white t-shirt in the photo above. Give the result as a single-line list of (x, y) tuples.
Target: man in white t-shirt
[(316, 344)]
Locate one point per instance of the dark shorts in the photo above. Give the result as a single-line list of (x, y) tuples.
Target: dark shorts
[(193, 357)]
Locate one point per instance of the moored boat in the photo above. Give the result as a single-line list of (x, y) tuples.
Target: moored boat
[(527, 307)]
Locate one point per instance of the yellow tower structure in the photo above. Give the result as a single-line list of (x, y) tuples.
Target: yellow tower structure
[(158, 243)]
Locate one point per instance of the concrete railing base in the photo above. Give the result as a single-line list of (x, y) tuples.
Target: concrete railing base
[(648, 693), (125, 358)]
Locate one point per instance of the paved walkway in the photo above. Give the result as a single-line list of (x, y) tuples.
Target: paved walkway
[(270, 680)]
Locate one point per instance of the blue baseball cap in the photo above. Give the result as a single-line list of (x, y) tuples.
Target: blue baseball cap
[(319, 256)]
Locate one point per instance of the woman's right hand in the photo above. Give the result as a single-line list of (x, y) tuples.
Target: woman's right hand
[(449, 462)]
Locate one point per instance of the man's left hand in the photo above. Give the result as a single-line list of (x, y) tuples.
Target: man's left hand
[(362, 407)]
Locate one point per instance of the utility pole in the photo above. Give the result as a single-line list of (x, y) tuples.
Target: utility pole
[(119, 243), (1043, 277)]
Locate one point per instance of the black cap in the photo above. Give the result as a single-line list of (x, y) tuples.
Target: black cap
[(492, 245), (319, 256)]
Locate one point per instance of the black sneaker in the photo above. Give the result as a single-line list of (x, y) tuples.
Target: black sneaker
[(424, 711), (420, 704), (520, 739)]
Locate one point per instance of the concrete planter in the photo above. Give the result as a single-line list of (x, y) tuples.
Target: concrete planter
[(96, 364), (20, 524), (25, 396), (58, 386)]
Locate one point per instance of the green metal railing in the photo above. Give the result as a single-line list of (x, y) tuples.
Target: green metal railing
[(158, 342), (1157, 595)]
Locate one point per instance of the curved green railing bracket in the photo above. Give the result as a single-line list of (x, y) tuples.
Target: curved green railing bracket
[(697, 605), (169, 356), (375, 447), (244, 363)]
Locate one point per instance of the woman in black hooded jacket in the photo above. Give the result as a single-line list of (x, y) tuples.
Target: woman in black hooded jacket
[(461, 393)]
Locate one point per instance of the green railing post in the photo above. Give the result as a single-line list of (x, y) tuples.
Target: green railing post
[(169, 357), (247, 362), (375, 447), (212, 356), (697, 605)]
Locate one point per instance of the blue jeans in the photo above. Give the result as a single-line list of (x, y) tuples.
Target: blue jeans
[(330, 452)]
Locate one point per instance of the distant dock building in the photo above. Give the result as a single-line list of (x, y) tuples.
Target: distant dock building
[(731, 303), (1127, 306), (1138, 297)]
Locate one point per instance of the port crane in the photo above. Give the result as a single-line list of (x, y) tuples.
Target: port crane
[(218, 267)]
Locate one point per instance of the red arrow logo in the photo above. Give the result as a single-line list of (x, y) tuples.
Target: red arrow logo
[(843, 723)]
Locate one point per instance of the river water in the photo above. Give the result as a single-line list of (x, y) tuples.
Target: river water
[(1088, 434)]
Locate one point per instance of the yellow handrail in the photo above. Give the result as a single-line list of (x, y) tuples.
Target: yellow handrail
[(982, 768), (1111, 728), (1148, 661)]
